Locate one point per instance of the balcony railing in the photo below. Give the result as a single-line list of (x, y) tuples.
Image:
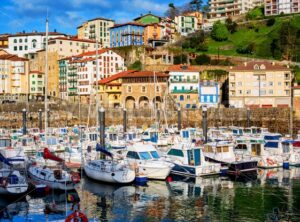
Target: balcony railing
[(184, 81), (184, 91)]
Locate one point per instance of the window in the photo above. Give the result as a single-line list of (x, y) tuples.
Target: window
[(241, 147), (15, 48), (154, 154), (132, 155), (175, 152), (157, 88), (143, 89), (15, 40), (129, 89), (271, 91), (33, 42), (279, 83), (145, 155), (181, 98), (240, 84), (248, 92), (20, 48), (26, 47), (188, 97), (270, 83)]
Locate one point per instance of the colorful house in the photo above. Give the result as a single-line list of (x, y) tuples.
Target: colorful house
[(148, 19), (36, 84), (127, 34), (209, 93), (184, 85)]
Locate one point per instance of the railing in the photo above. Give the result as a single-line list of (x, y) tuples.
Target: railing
[(184, 81), (184, 91)]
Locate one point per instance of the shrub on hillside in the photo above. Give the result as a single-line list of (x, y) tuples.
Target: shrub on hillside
[(245, 48), (270, 22), (180, 59), (202, 60), (219, 31), (231, 25), (255, 13), (137, 65)]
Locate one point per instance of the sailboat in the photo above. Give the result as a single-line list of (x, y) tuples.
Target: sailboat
[(110, 171), (54, 178)]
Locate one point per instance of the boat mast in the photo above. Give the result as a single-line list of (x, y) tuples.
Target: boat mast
[(46, 77), (97, 79)]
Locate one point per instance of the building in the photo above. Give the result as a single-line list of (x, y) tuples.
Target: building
[(184, 85), (59, 48), (277, 7), (168, 30), (96, 29), (153, 35), (260, 84), (77, 74), (27, 44), (147, 19), (198, 16), (144, 89), (127, 34), (209, 93), (247, 5), (186, 24), (220, 9), (296, 100), (14, 72), (4, 41), (36, 85)]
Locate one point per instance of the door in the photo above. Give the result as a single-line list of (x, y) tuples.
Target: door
[(197, 157)]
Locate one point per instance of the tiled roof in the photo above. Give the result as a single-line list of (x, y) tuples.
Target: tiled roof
[(91, 53), (75, 39), (12, 57), (183, 68), (257, 66), (114, 77), (82, 60), (36, 33), (36, 72)]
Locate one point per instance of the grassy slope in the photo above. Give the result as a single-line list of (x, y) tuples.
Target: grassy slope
[(262, 39)]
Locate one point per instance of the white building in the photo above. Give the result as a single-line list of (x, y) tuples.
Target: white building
[(186, 24), (27, 44), (276, 7), (184, 85)]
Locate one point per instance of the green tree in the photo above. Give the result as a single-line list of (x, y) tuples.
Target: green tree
[(231, 25), (202, 60), (137, 65), (219, 31), (196, 4), (288, 40)]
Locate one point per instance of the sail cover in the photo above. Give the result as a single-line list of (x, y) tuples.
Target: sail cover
[(50, 156), (4, 160), (104, 151)]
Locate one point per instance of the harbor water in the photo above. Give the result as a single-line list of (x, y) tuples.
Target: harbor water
[(271, 195)]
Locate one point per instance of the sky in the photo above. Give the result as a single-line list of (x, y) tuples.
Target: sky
[(66, 15)]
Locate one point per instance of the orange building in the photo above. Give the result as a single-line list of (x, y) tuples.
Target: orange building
[(152, 32)]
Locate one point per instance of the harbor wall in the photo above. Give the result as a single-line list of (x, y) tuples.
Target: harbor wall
[(69, 114)]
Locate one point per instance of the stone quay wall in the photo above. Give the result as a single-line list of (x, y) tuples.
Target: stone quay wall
[(69, 114)]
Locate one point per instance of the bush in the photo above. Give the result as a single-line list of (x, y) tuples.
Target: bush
[(245, 49), (219, 31), (270, 22), (137, 65), (180, 59), (231, 26), (255, 13), (202, 60)]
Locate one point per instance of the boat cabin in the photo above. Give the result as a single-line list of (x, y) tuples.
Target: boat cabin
[(141, 151), (190, 157), (5, 142)]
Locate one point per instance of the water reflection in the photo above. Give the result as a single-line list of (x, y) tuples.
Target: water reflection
[(270, 195)]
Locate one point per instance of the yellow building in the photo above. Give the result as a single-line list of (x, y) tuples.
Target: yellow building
[(152, 32), (260, 84), (14, 76), (3, 41)]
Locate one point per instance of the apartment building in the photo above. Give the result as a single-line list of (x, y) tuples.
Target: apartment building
[(77, 74), (186, 24), (36, 85), (96, 29), (126, 34), (14, 72), (27, 44), (260, 84), (184, 85), (277, 7)]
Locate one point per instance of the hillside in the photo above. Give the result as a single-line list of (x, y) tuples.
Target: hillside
[(265, 40)]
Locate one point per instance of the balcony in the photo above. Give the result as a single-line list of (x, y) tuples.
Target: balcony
[(184, 81), (184, 91), (72, 81), (72, 74)]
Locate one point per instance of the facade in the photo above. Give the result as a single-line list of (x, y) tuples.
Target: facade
[(14, 72), (127, 34), (97, 30), (147, 19), (168, 29), (209, 93), (140, 91), (247, 5), (27, 44), (260, 84), (78, 73), (198, 16), (152, 33), (219, 9), (184, 85), (277, 7), (296, 101), (36, 84), (186, 24)]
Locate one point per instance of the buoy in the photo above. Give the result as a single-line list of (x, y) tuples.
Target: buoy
[(77, 216), (286, 165)]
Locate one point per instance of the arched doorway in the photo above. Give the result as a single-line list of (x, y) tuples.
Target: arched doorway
[(130, 102), (143, 102), (157, 101)]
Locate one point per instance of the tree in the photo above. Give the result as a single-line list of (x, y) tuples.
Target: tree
[(274, 47), (288, 40), (202, 59), (137, 65), (231, 25), (219, 31), (196, 4), (271, 22), (172, 11)]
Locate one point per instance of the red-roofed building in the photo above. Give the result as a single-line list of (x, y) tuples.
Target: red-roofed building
[(13, 77), (78, 73), (134, 89), (260, 84)]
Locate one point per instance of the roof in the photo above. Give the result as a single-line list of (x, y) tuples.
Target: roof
[(36, 72), (12, 57), (82, 60), (36, 33), (74, 39), (138, 18), (296, 87), (91, 53), (100, 18), (182, 68), (257, 66), (132, 74), (128, 23)]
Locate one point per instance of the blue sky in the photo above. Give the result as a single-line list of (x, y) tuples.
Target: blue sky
[(66, 15)]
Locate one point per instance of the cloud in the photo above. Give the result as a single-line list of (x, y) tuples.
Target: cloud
[(145, 5)]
